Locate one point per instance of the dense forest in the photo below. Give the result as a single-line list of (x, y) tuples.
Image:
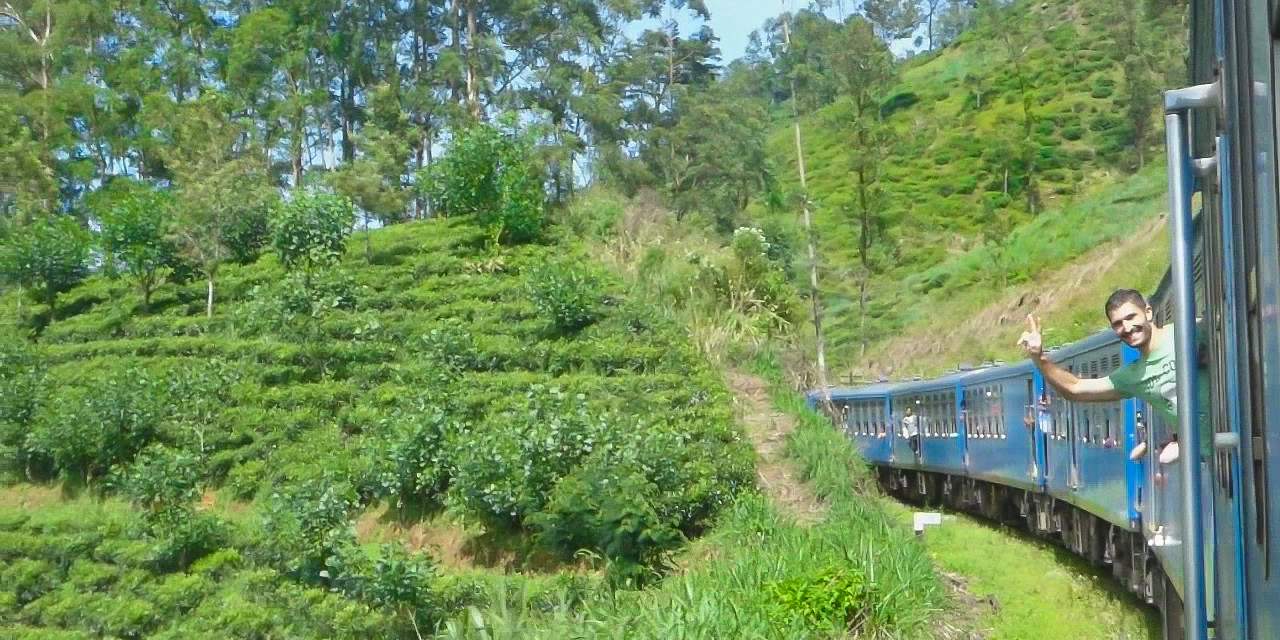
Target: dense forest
[(290, 292)]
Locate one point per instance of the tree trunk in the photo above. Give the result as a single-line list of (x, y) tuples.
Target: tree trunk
[(473, 89), (814, 293), (862, 313), (348, 109), (208, 304), (430, 204), (455, 29), (417, 171)]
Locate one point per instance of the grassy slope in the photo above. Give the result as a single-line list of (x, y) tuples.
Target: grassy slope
[(937, 177), (314, 398)]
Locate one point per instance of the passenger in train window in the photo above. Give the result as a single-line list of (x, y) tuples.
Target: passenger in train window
[(1152, 377), (911, 430)]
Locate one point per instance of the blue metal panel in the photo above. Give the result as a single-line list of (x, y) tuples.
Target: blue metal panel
[(1097, 480), (1043, 426), (1007, 458), (1135, 470)]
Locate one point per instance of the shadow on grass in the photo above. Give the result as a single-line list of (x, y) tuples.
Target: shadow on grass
[(1069, 561)]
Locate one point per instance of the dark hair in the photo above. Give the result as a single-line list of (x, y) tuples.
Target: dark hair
[(1122, 296)]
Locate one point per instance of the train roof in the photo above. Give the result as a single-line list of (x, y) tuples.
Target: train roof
[(966, 378)]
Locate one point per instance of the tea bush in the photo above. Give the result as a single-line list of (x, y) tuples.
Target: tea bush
[(236, 453), (571, 297), (487, 174)]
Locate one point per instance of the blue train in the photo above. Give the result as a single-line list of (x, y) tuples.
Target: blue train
[(1192, 536)]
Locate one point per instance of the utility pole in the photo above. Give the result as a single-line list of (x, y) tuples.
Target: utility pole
[(814, 295)]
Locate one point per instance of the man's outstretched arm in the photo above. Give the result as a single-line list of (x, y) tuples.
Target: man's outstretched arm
[(1064, 382)]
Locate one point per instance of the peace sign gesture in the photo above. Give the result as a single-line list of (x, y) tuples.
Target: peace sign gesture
[(1031, 341)]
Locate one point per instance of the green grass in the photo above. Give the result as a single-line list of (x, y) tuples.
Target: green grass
[(1039, 590)]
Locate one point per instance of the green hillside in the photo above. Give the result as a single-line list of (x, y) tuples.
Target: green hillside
[(426, 372), (956, 221)]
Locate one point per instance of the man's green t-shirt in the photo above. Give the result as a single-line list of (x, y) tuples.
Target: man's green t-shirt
[(1154, 379)]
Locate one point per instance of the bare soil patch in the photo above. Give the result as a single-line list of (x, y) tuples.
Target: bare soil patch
[(30, 496), (768, 429), (963, 619), (918, 349), (455, 546)]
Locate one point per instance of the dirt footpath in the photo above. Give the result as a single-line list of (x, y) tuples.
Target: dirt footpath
[(768, 429)]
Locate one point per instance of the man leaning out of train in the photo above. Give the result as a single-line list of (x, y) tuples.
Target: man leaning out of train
[(1151, 378)]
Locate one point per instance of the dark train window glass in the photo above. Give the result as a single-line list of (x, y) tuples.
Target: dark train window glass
[(951, 411)]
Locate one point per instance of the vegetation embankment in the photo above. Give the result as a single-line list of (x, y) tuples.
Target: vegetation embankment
[(768, 569), (513, 386), (1012, 152)]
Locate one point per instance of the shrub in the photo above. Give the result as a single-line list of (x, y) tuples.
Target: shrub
[(134, 223), (897, 102), (1103, 87), (836, 595), (310, 231), (21, 384), (248, 234), (610, 508), (100, 424), (307, 526), (753, 277), (414, 446), (487, 174), (1106, 122), (47, 257), (1073, 132), (507, 465), (452, 348), (571, 297), (291, 305)]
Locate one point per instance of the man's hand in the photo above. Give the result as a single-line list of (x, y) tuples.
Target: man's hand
[(1031, 340)]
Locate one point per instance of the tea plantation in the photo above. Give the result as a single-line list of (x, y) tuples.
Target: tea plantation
[(211, 468)]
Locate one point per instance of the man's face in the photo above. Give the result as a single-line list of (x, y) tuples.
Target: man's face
[(1132, 324)]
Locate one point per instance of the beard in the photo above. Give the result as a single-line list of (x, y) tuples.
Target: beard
[(1138, 336)]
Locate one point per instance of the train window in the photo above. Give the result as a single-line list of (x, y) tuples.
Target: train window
[(926, 414), (931, 413), (946, 414), (951, 411), (981, 413), (984, 414)]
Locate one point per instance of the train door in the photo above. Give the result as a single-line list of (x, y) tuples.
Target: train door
[(1029, 422), (1232, 123), (1248, 41), (961, 426), (1043, 429), (1073, 432)]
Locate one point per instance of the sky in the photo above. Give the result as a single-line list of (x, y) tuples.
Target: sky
[(733, 20)]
